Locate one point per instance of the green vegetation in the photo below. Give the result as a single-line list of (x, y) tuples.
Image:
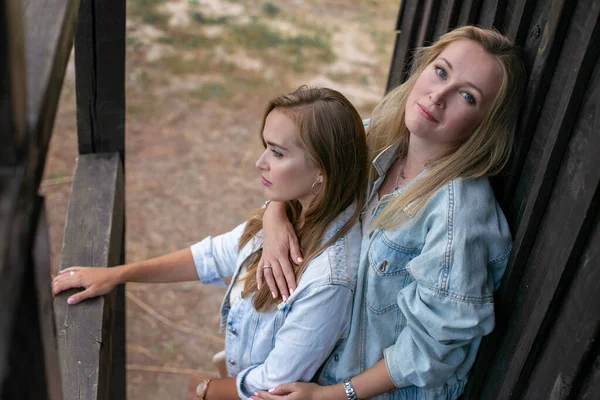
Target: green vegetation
[(148, 11), (269, 8), (209, 91)]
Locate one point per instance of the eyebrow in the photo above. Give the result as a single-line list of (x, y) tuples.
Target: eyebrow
[(275, 145), (468, 83)]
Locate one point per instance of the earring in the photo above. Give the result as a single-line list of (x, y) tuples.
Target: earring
[(312, 188)]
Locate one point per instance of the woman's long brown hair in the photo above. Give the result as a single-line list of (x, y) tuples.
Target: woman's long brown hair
[(332, 135)]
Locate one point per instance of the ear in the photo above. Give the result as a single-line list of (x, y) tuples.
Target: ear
[(320, 177)]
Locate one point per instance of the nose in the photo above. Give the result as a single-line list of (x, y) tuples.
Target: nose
[(261, 164), (438, 97)]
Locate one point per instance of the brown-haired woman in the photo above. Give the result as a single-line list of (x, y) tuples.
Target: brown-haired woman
[(435, 242), (315, 164)]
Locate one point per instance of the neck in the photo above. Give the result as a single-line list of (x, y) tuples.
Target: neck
[(305, 202), (420, 152)]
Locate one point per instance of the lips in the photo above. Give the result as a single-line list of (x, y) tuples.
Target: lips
[(426, 114), (265, 182)]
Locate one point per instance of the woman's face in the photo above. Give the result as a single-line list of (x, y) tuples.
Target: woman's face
[(287, 173), (452, 95)]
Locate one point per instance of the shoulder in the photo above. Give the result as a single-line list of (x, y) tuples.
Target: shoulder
[(338, 263), (468, 231)]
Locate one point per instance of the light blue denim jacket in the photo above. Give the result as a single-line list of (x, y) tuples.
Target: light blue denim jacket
[(424, 296), (290, 342)]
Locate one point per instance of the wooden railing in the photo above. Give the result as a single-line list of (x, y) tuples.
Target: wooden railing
[(45, 342)]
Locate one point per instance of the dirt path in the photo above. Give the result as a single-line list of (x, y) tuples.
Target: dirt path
[(199, 73)]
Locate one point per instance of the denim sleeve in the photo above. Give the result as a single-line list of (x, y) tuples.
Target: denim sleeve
[(312, 328), (216, 257), (450, 305)]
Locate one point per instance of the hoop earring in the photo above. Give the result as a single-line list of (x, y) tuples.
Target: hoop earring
[(312, 188)]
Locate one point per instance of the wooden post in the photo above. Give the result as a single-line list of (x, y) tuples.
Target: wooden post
[(100, 88)]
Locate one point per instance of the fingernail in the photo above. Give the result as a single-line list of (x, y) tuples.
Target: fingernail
[(258, 286), (70, 300), (271, 390), (274, 295), (291, 291), (299, 259), (284, 297)]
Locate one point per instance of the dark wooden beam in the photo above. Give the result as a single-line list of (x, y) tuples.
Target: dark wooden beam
[(100, 72), (469, 12), (572, 339), (33, 360), (93, 237), (12, 84), (491, 13), (406, 42), (49, 27)]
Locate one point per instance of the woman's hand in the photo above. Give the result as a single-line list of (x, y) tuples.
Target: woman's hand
[(279, 243), (299, 391), (96, 281)]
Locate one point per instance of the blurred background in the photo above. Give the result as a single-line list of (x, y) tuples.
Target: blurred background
[(199, 74)]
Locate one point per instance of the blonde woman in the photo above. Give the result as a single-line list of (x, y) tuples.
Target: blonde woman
[(315, 163), (435, 242)]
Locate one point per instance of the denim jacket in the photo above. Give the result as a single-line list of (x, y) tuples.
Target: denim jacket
[(424, 295), (290, 342)]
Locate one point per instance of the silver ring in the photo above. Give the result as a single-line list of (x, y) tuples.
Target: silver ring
[(267, 266), (72, 273)]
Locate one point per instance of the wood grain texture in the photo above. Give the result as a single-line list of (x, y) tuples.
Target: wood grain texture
[(406, 43), (49, 27), (93, 237), (12, 84), (100, 71)]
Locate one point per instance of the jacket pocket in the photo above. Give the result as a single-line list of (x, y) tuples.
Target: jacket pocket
[(387, 273)]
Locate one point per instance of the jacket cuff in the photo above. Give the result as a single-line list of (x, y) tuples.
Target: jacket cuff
[(392, 361), (206, 267)]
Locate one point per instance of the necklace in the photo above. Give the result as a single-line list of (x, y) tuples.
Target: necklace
[(400, 174)]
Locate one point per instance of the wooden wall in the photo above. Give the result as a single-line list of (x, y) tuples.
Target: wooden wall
[(546, 342)]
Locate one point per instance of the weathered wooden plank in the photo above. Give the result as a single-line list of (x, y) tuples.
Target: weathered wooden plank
[(517, 19), (469, 12), (12, 142), (577, 324), (449, 17), (49, 29), (566, 203), (549, 26), (12, 83), (100, 71), (33, 360), (49, 26), (405, 44), (551, 133), (491, 13), (93, 237), (591, 386), (42, 267), (566, 89), (428, 23)]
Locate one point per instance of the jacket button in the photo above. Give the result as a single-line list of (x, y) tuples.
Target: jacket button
[(383, 265), (231, 362), (232, 331), (336, 358)]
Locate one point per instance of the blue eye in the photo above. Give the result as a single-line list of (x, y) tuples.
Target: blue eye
[(441, 72), (468, 97), (277, 154)]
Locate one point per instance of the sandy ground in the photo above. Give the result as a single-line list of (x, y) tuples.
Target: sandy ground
[(195, 96)]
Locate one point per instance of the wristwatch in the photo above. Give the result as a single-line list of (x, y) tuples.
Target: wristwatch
[(202, 388), (350, 394)]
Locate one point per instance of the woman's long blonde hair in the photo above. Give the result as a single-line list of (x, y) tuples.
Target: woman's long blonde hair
[(484, 153), (332, 135)]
